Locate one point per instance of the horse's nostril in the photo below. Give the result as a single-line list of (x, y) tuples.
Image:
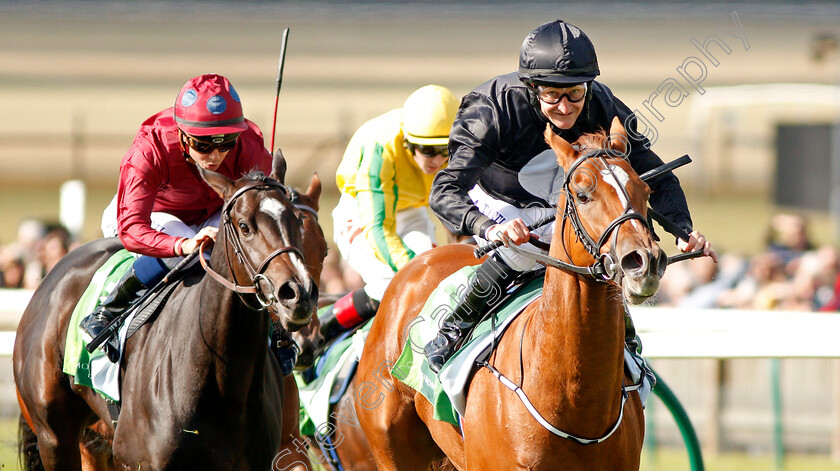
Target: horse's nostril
[(633, 261), (289, 291)]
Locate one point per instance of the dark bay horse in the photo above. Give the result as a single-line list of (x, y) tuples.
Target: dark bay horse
[(96, 447), (565, 351), (200, 390)]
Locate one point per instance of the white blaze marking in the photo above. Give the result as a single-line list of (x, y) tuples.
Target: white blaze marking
[(274, 208), (618, 179)]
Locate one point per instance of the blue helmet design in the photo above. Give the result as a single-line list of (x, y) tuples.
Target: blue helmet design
[(188, 98), (216, 104), (234, 95)]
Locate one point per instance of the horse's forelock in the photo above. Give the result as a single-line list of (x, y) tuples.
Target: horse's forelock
[(259, 176), (593, 140), (256, 175)]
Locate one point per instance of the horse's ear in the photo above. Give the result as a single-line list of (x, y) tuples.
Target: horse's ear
[(565, 152), (314, 190), (278, 167), (618, 137), (221, 184)]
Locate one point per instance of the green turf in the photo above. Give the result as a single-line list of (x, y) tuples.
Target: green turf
[(663, 460), (677, 460)]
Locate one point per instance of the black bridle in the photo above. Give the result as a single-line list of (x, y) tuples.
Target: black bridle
[(605, 263), (605, 267), (256, 274), (601, 269)]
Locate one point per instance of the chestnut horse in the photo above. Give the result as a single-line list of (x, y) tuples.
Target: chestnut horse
[(565, 352), (200, 390)]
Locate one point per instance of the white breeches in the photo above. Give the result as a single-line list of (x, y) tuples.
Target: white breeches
[(413, 225), (162, 222), (501, 212)]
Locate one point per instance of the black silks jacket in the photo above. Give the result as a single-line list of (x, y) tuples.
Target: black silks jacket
[(498, 130)]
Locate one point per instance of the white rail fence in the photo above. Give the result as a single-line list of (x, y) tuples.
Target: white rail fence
[(724, 365), (750, 380), (684, 333)]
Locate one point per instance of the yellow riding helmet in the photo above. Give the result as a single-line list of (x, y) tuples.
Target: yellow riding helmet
[(428, 114)]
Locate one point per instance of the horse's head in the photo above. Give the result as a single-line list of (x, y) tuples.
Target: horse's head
[(260, 243), (309, 338), (604, 211), (314, 242)]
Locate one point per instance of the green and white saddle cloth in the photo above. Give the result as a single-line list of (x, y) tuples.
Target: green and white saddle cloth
[(447, 391), (336, 365), (94, 370)]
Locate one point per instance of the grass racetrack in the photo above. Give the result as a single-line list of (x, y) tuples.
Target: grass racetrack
[(77, 79), (663, 460)]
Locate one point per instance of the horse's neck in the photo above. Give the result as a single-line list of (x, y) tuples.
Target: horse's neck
[(577, 338), (233, 337), (580, 320)]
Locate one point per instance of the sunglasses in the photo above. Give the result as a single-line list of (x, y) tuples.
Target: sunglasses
[(206, 144), (430, 151), (553, 95)]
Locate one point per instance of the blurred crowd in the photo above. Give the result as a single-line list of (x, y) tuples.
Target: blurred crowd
[(791, 273), (37, 248)]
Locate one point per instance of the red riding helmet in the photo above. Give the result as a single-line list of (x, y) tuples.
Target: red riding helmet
[(208, 105)]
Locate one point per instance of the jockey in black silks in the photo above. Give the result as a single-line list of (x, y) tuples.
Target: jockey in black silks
[(501, 169)]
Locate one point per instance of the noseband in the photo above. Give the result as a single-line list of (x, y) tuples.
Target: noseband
[(256, 274)]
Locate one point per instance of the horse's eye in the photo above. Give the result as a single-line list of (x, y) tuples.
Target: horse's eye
[(583, 197), (244, 228)]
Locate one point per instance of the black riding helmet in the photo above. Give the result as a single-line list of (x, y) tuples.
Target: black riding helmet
[(557, 53)]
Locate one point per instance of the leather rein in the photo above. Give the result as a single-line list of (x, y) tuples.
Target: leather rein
[(256, 274), (605, 267)]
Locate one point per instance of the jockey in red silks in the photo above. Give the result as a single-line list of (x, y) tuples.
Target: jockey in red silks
[(163, 209)]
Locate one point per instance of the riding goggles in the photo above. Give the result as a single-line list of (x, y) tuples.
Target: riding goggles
[(206, 144), (553, 95), (430, 151)]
